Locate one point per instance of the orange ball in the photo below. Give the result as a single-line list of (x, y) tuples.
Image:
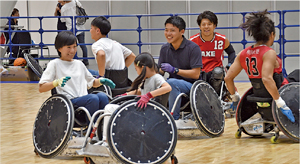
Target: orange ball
[(20, 62)]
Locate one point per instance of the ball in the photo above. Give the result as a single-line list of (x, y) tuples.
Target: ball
[(20, 62)]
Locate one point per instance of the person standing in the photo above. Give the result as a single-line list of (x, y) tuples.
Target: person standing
[(69, 9), (60, 25), (181, 58)]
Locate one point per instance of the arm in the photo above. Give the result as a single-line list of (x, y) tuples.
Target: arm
[(67, 20), (269, 62), (165, 88), (96, 83), (129, 60), (56, 9), (230, 51), (234, 70), (100, 58), (46, 87), (133, 92), (193, 73)]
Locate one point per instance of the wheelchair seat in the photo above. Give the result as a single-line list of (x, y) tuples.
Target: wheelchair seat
[(121, 85)]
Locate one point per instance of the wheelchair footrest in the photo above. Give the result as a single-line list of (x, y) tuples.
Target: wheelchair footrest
[(255, 124), (94, 150)]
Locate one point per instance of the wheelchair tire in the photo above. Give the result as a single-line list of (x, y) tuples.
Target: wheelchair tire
[(141, 136), (53, 126), (121, 99), (290, 94), (245, 110), (207, 109)]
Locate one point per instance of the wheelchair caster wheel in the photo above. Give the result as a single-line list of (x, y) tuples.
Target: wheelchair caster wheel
[(274, 139), (174, 159), (238, 134), (88, 160)]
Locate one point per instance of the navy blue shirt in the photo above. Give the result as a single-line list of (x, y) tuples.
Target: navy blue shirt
[(187, 56)]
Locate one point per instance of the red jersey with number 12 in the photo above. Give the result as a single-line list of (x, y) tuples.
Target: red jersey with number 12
[(251, 60), (212, 51)]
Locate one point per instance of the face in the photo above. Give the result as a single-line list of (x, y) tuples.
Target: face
[(272, 37), (207, 27), (16, 14), (68, 52), (138, 69), (172, 33), (94, 32)]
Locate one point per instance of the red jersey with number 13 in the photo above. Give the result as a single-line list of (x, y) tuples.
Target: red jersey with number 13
[(251, 60), (212, 51)]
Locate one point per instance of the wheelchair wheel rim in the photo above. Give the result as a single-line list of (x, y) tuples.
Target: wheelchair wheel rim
[(207, 109), (53, 127), (150, 138), (290, 94)]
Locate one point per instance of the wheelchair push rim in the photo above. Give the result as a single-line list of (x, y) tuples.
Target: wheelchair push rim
[(290, 94), (207, 109), (53, 126), (142, 136)]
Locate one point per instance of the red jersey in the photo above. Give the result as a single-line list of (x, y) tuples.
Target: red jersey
[(251, 61), (212, 51)]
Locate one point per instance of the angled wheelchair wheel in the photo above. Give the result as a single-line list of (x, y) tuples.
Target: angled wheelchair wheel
[(34, 65), (53, 126), (207, 109), (290, 94), (245, 110), (142, 136)]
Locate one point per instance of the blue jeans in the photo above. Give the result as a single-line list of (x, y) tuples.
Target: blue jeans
[(94, 72), (92, 102), (80, 38), (178, 86)]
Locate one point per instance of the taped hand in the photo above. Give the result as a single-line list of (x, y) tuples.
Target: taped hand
[(235, 100), (61, 82), (107, 82), (167, 67)]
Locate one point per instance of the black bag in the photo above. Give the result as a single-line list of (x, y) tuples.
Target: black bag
[(80, 12)]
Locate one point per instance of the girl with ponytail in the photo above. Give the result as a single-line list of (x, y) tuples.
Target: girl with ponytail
[(148, 84)]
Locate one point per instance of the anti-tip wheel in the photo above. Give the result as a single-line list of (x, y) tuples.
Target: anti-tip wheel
[(274, 139), (238, 134), (88, 160)]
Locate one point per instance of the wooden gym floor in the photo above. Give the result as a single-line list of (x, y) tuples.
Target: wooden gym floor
[(20, 103)]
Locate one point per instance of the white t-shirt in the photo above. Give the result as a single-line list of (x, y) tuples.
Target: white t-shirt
[(115, 53), (81, 78), (152, 83), (69, 9)]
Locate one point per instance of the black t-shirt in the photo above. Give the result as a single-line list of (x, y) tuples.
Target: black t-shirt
[(187, 56), (60, 25)]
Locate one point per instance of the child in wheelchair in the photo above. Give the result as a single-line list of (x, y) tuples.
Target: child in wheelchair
[(71, 78), (148, 84)]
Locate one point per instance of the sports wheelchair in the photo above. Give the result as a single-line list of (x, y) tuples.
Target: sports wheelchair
[(202, 110), (134, 136), (216, 79), (256, 116)]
